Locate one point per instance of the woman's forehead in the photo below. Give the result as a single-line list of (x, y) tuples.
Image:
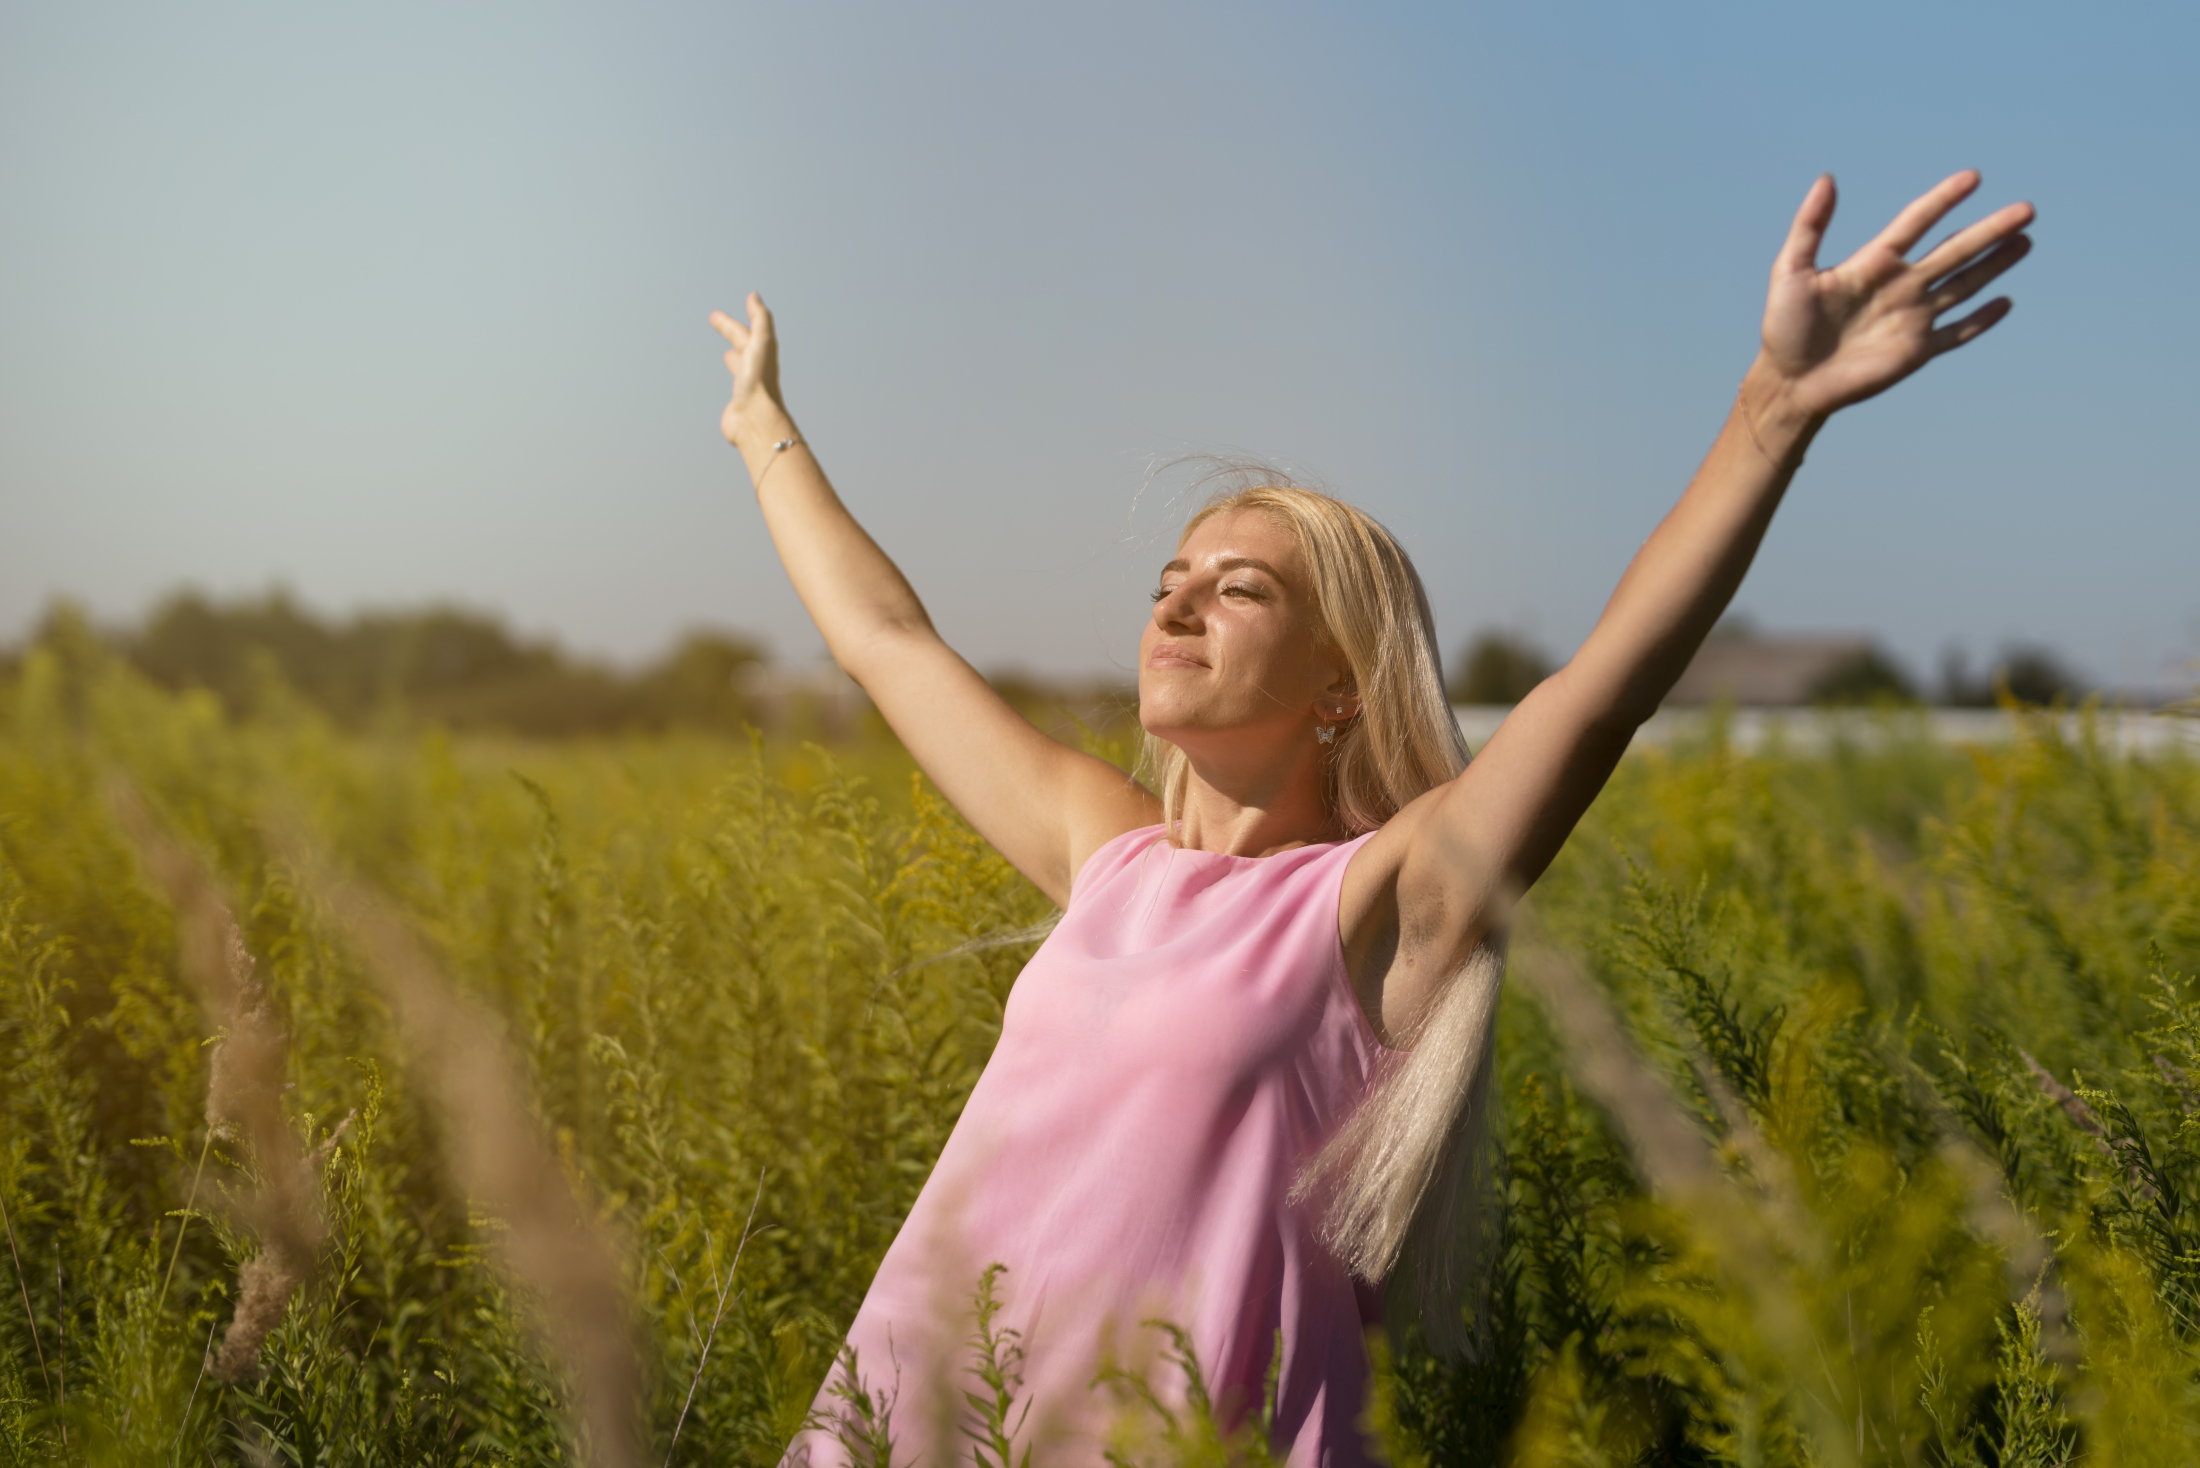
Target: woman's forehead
[(1240, 535)]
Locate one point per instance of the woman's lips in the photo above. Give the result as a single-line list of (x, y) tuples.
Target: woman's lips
[(1169, 655)]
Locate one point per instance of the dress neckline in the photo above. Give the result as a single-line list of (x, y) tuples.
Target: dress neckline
[(1164, 842)]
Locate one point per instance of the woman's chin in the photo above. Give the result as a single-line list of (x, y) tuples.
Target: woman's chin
[(1165, 714), (1187, 733), (1168, 726)]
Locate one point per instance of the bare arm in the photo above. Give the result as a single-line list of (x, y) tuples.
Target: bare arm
[(1436, 875), (1041, 804)]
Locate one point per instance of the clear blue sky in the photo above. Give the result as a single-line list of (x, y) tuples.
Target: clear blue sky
[(400, 302)]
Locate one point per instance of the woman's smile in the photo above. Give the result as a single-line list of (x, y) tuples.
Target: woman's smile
[(1174, 655)]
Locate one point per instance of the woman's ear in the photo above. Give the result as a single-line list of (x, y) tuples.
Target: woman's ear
[(1340, 700)]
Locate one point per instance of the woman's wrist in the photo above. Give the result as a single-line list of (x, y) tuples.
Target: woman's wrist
[(762, 428), (1779, 426)]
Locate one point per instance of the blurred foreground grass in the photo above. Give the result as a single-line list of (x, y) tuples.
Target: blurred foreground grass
[(1930, 1014)]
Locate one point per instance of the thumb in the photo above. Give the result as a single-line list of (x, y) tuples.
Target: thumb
[(1800, 251)]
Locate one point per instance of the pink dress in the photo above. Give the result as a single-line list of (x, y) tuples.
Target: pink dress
[(1184, 1040)]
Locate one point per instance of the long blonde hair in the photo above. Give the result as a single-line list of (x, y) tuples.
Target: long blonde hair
[(1405, 1178)]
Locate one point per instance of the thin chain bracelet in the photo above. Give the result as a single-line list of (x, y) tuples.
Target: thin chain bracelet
[(1743, 405), (787, 443)]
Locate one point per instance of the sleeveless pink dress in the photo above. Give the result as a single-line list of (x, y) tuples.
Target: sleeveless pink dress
[(1184, 1040)]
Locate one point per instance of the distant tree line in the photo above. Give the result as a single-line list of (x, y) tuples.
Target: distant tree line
[(465, 669), (445, 665), (2030, 674)]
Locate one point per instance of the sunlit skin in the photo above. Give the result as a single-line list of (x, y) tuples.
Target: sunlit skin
[(1232, 670)]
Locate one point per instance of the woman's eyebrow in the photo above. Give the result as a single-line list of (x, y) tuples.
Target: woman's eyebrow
[(1227, 563)]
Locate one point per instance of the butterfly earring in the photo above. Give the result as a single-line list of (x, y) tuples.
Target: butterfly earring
[(1326, 733)]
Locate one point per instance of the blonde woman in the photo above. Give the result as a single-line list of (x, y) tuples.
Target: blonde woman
[(1241, 1078)]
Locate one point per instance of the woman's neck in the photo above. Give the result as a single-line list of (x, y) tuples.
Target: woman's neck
[(1256, 818)]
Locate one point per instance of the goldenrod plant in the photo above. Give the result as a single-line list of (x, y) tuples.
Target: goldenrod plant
[(1850, 1104)]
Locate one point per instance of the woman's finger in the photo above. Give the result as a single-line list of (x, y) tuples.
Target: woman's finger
[(1956, 333), (1952, 252), (1925, 211), (760, 315), (1799, 253), (1973, 278), (732, 330)]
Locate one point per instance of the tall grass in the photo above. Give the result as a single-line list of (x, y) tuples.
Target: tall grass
[(1902, 1046)]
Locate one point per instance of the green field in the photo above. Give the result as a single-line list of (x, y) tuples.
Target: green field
[(1925, 1020)]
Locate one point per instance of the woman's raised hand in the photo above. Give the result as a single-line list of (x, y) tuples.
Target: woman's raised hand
[(755, 411), (1835, 337)]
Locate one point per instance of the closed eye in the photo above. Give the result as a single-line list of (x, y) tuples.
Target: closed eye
[(1255, 593)]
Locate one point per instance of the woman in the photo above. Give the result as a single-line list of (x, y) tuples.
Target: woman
[(1182, 1118)]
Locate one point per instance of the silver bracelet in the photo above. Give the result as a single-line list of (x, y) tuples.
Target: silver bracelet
[(777, 449)]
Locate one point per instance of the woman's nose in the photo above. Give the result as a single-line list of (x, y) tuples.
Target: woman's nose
[(1175, 610)]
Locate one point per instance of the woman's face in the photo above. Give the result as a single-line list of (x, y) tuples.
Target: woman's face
[(1233, 645)]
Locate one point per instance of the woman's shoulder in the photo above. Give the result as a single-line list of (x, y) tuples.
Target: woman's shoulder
[(1112, 856), (1322, 855)]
